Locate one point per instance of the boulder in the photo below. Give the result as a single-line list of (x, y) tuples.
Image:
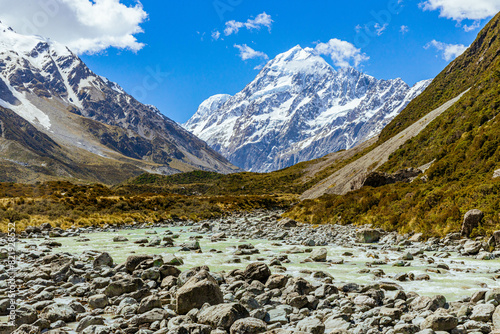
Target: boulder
[(134, 260), (472, 219), (367, 235), (496, 238), (493, 294), (318, 255), (428, 303), (276, 281), (26, 329), (298, 285), (124, 285), (472, 247), (98, 301), (93, 329), (171, 259), (482, 312), (311, 325), (496, 173), (496, 318), (287, 223), (26, 315), (440, 322), (57, 312), (169, 270), (257, 271), (89, 321), (120, 238), (157, 314), (103, 260), (149, 303), (222, 315), (417, 237), (248, 326), (198, 290)]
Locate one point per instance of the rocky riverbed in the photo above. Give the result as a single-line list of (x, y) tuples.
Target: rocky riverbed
[(251, 273)]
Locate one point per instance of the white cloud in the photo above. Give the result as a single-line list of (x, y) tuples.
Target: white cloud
[(379, 29), (459, 10), (247, 52), (343, 53), (262, 20), (215, 35), (404, 29), (84, 26), (449, 51), (472, 27)]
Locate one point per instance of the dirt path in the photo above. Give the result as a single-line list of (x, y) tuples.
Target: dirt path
[(350, 177)]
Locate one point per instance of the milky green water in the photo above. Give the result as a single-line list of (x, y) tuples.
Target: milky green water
[(455, 284)]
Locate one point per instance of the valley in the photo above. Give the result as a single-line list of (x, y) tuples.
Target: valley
[(313, 199)]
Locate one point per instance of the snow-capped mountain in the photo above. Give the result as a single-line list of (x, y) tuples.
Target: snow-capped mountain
[(92, 120), (299, 108)]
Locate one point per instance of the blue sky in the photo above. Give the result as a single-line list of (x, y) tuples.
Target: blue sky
[(176, 63)]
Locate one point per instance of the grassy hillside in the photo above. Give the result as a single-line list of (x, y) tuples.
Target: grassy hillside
[(464, 144)]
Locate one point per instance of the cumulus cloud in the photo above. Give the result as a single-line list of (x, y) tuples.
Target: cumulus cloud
[(404, 29), (342, 53), (262, 20), (247, 52), (448, 51), (215, 35), (459, 10), (85, 26)]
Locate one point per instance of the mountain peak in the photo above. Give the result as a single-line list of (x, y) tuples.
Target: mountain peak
[(298, 108), (297, 60), (50, 88), (11, 41)]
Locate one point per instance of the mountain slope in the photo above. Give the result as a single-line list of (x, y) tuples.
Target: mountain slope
[(299, 108), (50, 87), (461, 149)]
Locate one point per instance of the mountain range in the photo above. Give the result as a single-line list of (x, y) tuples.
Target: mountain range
[(58, 119), (299, 108)]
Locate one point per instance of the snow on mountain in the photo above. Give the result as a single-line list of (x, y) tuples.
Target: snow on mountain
[(299, 108), (50, 87)]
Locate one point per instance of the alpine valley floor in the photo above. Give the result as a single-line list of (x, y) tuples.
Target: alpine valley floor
[(252, 273)]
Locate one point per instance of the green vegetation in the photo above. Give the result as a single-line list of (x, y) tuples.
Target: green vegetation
[(64, 204), (285, 181), (464, 144)]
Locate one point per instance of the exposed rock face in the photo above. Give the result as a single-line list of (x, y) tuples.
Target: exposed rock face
[(472, 219), (378, 179), (299, 108), (50, 88)]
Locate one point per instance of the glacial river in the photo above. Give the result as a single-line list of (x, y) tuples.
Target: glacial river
[(466, 275)]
